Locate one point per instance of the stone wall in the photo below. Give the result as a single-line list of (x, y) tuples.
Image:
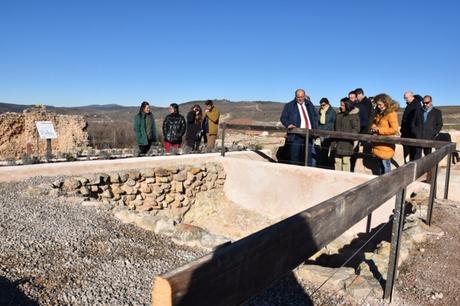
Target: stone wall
[(169, 190), (18, 133)]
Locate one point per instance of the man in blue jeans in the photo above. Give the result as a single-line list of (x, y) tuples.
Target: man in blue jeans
[(299, 113)]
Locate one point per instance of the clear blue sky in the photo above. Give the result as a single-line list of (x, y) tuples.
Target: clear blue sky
[(68, 53)]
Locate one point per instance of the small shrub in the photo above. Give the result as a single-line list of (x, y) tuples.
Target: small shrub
[(70, 157)]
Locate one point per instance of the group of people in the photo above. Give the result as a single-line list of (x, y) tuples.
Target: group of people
[(198, 127), (358, 114)]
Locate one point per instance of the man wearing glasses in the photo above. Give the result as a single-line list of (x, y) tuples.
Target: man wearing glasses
[(299, 113), (427, 124)]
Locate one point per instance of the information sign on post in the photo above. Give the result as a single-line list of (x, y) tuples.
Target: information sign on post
[(46, 131)]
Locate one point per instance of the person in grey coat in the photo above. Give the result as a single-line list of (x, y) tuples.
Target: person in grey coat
[(347, 120)]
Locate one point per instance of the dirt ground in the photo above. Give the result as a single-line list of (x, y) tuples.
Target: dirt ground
[(431, 275), (215, 213)]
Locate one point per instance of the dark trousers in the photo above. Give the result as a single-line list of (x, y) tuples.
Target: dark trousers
[(418, 152), (143, 149), (410, 151), (296, 149)]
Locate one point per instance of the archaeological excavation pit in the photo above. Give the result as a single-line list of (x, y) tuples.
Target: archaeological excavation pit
[(190, 204)]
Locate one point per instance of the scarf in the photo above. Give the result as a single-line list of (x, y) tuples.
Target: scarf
[(148, 126), (322, 113)]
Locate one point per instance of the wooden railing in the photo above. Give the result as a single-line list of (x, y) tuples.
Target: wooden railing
[(236, 271)]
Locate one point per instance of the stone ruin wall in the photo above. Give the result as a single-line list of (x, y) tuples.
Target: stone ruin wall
[(167, 191), (18, 133)]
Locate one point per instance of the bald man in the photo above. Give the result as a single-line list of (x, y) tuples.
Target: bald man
[(412, 107), (299, 113)]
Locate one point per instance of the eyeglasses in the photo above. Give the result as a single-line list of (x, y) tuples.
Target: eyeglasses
[(426, 102)]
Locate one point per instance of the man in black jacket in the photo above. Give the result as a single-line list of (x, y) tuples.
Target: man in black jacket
[(412, 108), (174, 127), (427, 124), (365, 106)]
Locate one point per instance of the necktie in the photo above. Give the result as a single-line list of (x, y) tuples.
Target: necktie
[(307, 126)]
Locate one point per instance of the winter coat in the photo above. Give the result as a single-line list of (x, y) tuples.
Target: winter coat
[(291, 115), (193, 133), (408, 118), (174, 128), (364, 112), (387, 124), (330, 119), (140, 129), (346, 123), (430, 128), (213, 120)]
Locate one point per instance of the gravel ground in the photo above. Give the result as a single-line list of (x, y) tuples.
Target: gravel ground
[(53, 252), (431, 275)]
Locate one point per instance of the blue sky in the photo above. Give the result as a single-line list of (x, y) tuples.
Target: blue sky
[(69, 53)]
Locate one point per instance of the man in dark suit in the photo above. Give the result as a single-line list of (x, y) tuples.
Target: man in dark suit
[(413, 106), (427, 124), (299, 113)]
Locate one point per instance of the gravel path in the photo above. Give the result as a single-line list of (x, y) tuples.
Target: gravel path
[(53, 252)]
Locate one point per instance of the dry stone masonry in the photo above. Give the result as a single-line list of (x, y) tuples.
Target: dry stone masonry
[(152, 198)]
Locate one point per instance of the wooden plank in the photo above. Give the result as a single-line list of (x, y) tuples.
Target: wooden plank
[(426, 163), (237, 271), (423, 143)]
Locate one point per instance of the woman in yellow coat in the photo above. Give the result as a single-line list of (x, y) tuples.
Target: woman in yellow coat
[(385, 124)]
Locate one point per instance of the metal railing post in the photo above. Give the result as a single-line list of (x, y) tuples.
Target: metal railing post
[(446, 183), (223, 140), (398, 222), (434, 174), (306, 147)]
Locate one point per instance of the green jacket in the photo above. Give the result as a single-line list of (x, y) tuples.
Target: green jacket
[(140, 129)]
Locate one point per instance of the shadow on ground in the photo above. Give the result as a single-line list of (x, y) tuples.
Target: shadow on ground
[(11, 295)]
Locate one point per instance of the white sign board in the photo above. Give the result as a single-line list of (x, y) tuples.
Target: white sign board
[(46, 129)]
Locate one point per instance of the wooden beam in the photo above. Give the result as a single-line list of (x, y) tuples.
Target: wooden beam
[(426, 163), (237, 271), (423, 143)]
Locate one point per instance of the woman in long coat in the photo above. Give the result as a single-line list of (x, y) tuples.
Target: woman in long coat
[(385, 124), (347, 120), (144, 128)]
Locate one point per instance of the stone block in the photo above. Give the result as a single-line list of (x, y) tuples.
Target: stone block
[(181, 176), (161, 172), (148, 173), (130, 182), (145, 188), (179, 187), (71, 184), (195, 170)]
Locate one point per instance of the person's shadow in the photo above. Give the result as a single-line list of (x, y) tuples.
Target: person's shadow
[(11, 295)]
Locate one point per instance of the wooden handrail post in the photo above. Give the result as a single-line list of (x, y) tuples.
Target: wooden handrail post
[(434, 174), (223, 140), (398, 221), (446, 183), (306, 147)]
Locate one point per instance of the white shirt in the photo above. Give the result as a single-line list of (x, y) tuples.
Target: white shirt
[(302, 120)]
